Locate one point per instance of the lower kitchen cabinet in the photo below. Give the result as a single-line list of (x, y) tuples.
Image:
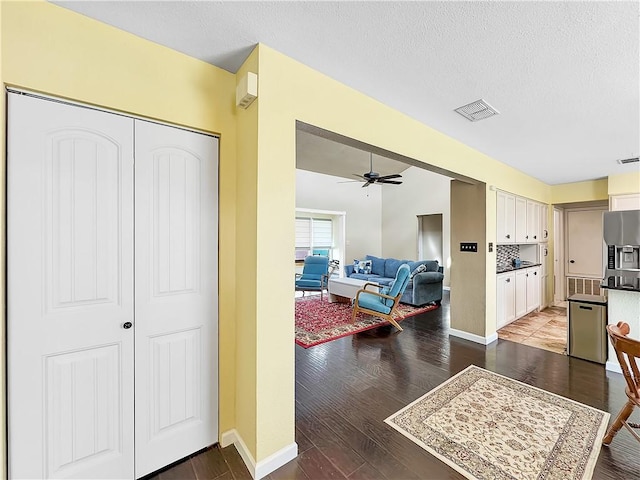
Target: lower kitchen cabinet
[(533, 288), (506, 301), (518, 293)]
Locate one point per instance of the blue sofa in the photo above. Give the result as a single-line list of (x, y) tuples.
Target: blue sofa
[(423, 288)]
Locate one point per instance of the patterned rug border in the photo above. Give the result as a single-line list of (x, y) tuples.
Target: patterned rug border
[(589, 467), (364, 328)]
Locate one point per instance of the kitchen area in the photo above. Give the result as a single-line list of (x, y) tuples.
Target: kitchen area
[(524, 314), (577, 326)]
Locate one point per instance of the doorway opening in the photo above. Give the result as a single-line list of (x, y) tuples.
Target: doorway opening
[(430, 237)]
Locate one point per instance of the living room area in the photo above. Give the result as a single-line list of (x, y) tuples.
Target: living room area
[(368, 229)]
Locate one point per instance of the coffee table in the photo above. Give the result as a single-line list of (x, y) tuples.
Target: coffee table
[(343, 290)]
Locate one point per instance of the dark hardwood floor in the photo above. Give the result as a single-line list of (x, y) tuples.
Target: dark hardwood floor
[(346, 388)]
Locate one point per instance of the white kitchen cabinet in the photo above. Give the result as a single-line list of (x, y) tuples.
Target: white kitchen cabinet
[(521, 293), (543, 257), (629, 201), (521, 220), (506, 299), (533, 222), (533, 288), (505, 217), (544, 223), (517, 293)]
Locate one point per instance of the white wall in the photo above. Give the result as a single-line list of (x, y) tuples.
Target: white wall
[(363, 207), (421, 193)]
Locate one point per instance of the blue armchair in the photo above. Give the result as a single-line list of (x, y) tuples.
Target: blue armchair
[(384, 303), (314, 276)]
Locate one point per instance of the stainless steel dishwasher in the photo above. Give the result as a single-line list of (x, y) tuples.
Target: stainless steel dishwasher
[(587, 333)]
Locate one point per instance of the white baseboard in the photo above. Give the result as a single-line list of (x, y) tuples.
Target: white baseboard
[(264, 467), (473, 337), (275, 461), (613, 367)]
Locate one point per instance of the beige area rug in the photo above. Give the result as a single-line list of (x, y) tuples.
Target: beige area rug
[(486, 426)]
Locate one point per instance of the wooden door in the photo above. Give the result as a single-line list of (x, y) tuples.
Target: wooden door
[(585, 243), (69, 291), (176, 296)]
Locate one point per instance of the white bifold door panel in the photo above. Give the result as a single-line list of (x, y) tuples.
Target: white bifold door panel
[(69, 291), (176, 294), (100, 206)]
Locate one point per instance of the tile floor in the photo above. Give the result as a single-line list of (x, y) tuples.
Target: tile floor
[(546, 329)]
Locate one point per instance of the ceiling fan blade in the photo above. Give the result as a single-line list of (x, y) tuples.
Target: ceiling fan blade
[(360, 176), (392, 182), (386, 177), (367, 184)]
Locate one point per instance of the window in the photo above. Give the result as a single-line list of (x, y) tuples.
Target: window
[(313, 236)]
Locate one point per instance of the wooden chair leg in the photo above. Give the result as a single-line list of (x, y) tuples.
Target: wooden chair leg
[(394, 323), (620, 420), (355, 312)]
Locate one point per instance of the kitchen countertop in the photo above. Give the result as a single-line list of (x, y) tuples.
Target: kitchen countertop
[(629, 284), (511, 268)]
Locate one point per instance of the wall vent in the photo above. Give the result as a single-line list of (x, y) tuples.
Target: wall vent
[(478, 110), (586, 286), (629, 160)]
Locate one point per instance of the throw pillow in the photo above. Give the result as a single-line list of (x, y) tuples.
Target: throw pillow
[(365, 267), (420, 268), (362, 266), (356, 266)]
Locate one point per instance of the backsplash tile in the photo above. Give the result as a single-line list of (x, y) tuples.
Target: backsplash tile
[(506, 253)]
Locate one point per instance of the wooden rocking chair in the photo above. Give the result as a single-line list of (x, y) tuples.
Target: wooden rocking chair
[(628, 353)]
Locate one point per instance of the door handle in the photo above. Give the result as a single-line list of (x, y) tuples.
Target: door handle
[(508, 280), (585, 308), (508, 236), (572, 261), (127, 325)]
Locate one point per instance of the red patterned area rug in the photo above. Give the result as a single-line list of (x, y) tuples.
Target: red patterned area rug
[(318, 321)]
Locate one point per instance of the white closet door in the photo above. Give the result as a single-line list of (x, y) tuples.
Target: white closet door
[(70, 291), (176, 294)]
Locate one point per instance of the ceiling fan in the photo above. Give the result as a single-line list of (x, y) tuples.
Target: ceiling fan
[(374, 177)]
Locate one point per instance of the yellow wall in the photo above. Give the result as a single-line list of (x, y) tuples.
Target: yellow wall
[(290, 91), (579, 192), (624, 183), (3, 163), (468, 224), (246, 330), (52, 50)]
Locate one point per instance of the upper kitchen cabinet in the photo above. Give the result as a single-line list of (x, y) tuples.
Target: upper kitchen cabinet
[(544, 223), (519, 220), (629, 201), (506, 217)]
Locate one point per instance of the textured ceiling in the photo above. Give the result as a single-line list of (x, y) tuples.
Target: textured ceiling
[(563, 75)]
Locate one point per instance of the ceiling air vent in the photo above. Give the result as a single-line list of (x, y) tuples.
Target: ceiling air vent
[(478, 110), (629, 160)]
